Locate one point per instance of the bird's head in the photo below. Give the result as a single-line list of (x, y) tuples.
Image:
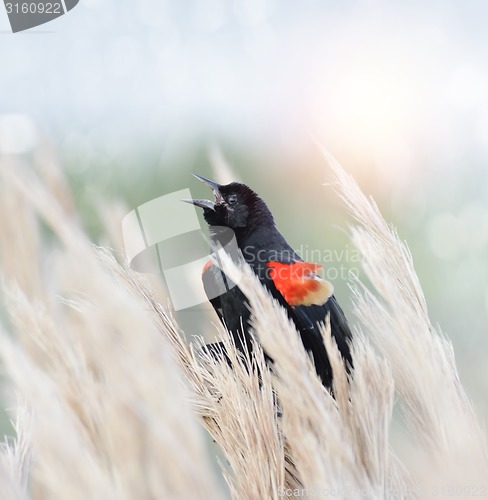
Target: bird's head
[(235, 206)]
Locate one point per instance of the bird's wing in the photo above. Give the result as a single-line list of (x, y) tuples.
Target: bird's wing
[(214, 286), (229, 303), (309, 300)]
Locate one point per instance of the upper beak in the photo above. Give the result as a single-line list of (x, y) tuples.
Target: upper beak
[(207, 203), (211, 184)]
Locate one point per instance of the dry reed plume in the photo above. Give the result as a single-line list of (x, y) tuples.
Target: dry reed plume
[(108, 397)]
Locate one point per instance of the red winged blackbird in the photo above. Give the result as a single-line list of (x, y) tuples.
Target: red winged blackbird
[(306, 298)]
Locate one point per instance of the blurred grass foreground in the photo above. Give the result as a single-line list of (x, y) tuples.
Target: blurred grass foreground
[(109, 401)]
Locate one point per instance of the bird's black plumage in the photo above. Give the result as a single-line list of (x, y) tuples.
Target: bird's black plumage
[(240, 209)]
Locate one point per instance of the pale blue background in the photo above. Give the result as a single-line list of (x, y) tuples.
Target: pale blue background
[(132, 94)]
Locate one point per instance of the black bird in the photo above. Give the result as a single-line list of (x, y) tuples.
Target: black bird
[(306, 297)]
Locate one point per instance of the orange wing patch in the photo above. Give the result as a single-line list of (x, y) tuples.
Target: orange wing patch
[(207, 266), (299, 283)]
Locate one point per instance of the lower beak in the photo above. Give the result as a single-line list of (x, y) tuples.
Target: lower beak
[(202, 203)]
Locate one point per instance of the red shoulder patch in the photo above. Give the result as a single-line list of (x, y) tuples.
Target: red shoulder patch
[(299, 284), (207, 265)]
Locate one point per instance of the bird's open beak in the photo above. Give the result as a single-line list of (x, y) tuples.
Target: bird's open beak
[(207, 203)]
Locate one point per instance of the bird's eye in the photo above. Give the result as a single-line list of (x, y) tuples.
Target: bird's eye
[(232, 199)]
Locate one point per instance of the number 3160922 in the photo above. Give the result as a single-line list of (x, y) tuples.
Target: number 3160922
[(33, 8)]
